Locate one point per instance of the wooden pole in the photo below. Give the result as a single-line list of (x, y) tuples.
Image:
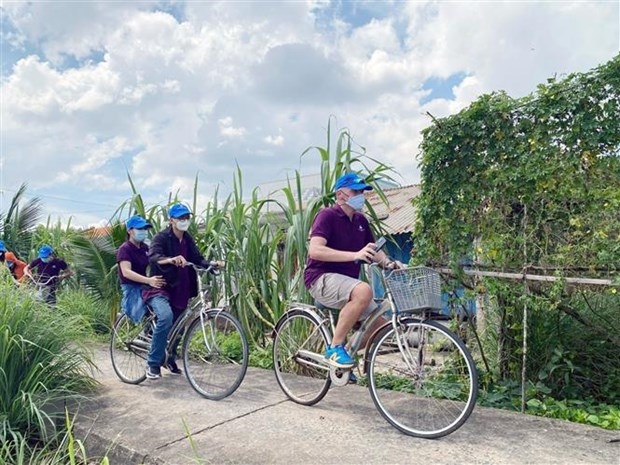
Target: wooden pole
[(534, 277)]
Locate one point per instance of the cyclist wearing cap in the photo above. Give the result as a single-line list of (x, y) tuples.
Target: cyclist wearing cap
[(340, 241), (169, 253), (133, 259), (50, 270), (15, 265)]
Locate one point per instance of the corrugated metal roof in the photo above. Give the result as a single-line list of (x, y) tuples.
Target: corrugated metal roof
[(399, 211)]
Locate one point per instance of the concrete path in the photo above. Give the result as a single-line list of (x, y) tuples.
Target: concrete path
[(149, 424)]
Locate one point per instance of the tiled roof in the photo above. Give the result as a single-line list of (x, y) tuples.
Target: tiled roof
[(398, 216)]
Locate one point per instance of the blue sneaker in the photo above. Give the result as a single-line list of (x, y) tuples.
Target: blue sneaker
[(339, 357), (352, 378)]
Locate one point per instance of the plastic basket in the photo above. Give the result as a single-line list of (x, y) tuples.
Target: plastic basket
[(416, 288)]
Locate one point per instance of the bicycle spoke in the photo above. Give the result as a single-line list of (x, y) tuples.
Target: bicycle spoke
[(427, 388), (129, 347), (215, 354), (302, 379)]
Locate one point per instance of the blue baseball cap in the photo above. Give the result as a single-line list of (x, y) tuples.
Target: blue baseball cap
[(352, 181), (45, 251), (137, 222), (178, 210), (2, 246)]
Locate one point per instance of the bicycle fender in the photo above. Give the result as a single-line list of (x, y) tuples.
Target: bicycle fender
[(295, 307), (374, 334)]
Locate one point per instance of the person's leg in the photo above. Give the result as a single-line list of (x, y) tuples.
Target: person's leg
[(172, 353), (49, 293), (353, 297), (360, 299), (163, 312)]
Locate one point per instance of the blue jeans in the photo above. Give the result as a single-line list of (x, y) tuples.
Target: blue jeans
[(163, 311)]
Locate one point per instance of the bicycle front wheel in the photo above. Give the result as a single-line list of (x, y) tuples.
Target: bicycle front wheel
[(215, 354), (300, 341), (129, 348), (422, 378)]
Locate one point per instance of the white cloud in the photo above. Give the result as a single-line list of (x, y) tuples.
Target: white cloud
[(166, 96), (228, 130), (275, 140)]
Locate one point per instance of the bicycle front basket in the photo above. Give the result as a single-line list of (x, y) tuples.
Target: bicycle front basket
[(415, 288)]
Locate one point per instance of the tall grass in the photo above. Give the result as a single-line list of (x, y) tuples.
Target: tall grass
[(265, 251), (43, 364), (63, 449)]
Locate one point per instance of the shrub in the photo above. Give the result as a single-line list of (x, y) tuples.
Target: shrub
[(42, 363), (86, 304)]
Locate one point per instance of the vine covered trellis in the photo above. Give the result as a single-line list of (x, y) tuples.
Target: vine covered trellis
[(532, 185)]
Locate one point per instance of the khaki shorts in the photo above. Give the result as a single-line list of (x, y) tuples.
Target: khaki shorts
[(333, 290)]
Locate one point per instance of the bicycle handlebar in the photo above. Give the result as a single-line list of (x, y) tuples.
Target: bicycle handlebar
[(213, 267), (43, 283)]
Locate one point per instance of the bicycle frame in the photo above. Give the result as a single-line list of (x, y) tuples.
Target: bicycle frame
[(408, 354), (187, 316), (386, 305)]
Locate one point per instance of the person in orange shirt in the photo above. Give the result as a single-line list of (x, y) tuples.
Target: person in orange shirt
[(16, 266)]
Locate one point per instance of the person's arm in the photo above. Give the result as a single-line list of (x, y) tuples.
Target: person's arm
[(386, 262), (65, 272), (28, 270), (318, 250), (158, 253), (128, 273), (322, 229)]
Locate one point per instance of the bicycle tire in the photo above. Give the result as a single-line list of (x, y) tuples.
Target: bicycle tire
[(303, 383), (215, 354), (129, 348), (435, 378)]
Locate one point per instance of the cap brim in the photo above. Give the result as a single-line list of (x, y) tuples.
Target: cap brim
[(140, 226), (360, 187)]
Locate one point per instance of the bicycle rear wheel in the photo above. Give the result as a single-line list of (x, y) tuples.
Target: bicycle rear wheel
[(215, 354), (129, 347), (426, 388), (298, 335)]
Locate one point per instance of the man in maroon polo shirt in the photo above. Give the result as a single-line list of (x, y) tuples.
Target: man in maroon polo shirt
[(340, 241)]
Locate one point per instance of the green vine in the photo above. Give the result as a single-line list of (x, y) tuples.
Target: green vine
[(533, 184), (556, 152)]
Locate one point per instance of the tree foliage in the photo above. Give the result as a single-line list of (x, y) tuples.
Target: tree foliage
[(533, 180), (534, 184)]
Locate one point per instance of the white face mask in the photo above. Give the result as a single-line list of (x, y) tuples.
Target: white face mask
[(182, 225)]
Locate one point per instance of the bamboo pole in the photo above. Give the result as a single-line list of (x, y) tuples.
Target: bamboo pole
[(534, 277)]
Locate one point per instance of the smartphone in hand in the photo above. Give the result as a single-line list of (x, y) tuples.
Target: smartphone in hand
[(380, 243)]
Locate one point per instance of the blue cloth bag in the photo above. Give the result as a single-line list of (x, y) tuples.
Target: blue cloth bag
[(132, 304)]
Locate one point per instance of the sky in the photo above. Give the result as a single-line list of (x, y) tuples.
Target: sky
[(163, 92)]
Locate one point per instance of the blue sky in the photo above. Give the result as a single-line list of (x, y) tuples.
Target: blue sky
[(92, 92)]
